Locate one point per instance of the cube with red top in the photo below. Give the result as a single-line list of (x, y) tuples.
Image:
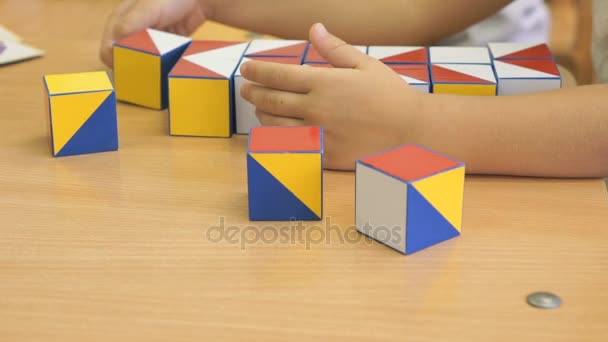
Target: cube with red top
[(285, 173), (409, 198), (142, 62)]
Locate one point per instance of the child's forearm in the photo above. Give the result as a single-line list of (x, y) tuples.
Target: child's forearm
[(357, 21), (561, 133)]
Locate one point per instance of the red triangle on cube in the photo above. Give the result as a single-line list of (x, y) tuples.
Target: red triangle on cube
[(189, 69), (415, 71), (537, 51), (416, 56), (139, 41), (441, 74)]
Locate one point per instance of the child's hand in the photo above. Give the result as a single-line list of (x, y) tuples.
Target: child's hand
[(181, 17), (362, 104)]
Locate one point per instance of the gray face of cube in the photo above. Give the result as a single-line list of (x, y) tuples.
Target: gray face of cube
[(381, 203)]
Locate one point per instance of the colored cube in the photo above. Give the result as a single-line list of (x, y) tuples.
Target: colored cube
[(502, 51), (276, 48), (523, 68), (82, 113), (459, 55), (201, 99), (409, 198), (313, 56), (245, 111), (523, 76), (142, 62), (463, 79), (400, 54), (416, 75), (285, 173)]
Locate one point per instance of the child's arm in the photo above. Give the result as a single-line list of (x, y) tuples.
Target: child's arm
[(359, 21), (365, 22), (368, 108)]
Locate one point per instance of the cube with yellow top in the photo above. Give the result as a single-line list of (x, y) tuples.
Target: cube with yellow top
[(81, 109)]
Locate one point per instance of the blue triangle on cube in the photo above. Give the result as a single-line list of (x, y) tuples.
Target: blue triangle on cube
[(269, 200), (425, 225), (98, 134), (167, 62)]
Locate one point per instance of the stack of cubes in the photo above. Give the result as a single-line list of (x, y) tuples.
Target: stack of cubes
[(523, 68), (410, 62), (277, 51), (462, 71)]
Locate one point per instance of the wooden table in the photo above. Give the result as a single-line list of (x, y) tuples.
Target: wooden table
[(115, 246)]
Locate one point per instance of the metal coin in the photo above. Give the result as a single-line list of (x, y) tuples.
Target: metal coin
[(544, 300)]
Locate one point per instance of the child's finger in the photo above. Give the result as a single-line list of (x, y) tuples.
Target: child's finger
[(337, 52), (273, 101), (292, 78), (139, 16), (107, 39), (273, 120)]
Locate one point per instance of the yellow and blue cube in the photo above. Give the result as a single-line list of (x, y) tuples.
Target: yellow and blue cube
[(201, 90), (285, 173), (82, 116), (142, 62)]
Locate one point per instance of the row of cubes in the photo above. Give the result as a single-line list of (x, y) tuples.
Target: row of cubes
[(199, 81)]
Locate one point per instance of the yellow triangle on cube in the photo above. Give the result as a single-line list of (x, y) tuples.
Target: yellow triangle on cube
[(78, 83), (298, 172), (70, 112), (445, 192)]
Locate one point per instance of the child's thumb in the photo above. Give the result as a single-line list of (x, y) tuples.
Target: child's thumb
[(334, 50)]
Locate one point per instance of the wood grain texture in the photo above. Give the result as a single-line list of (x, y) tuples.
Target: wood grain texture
[(115, 246)]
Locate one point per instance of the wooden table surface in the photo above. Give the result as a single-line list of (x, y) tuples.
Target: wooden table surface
[(116, 246)]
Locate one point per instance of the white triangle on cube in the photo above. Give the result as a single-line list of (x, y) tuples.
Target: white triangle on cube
[(508, 70), (227, 52), (219, 65), (411, 80), (457, 54), (165, 41)]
